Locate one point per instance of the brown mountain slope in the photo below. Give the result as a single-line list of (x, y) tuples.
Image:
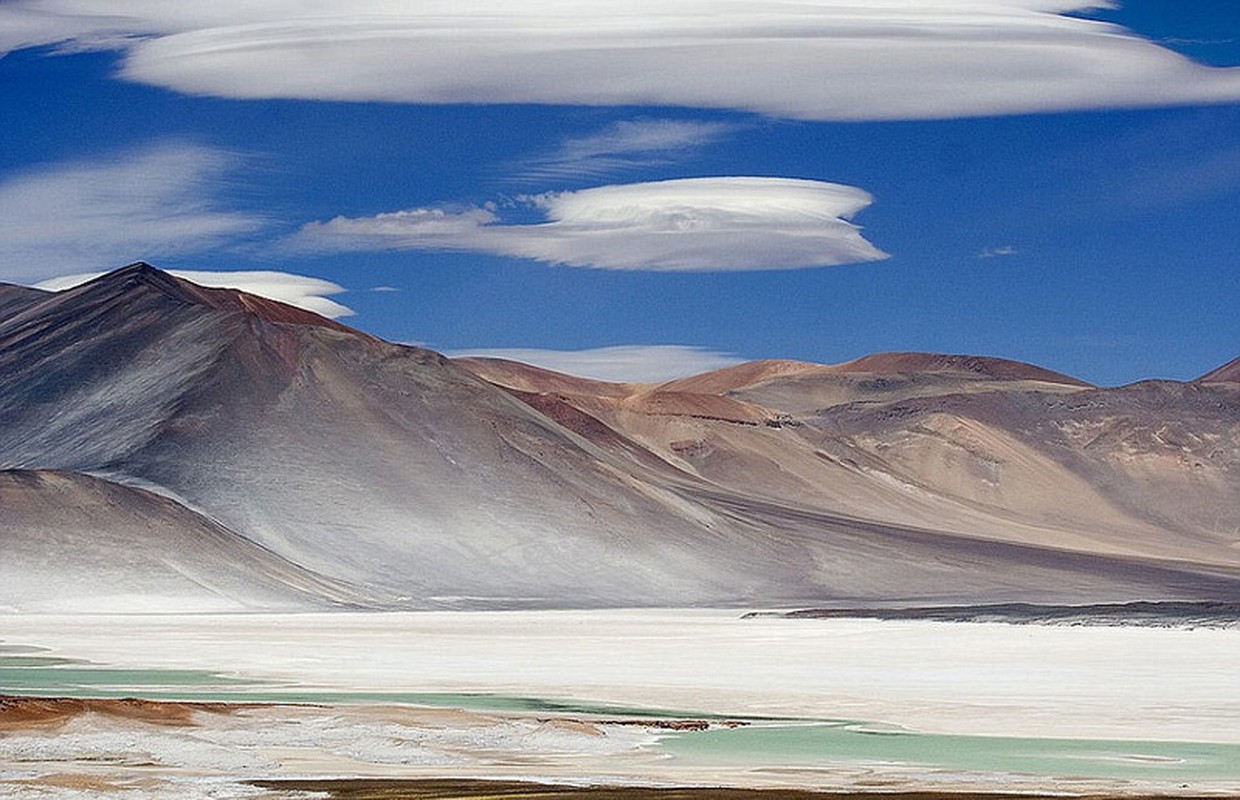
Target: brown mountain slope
[(528, 378), (1228, 373), (980, 366), (392, 468), (994, 449), (742, 376)]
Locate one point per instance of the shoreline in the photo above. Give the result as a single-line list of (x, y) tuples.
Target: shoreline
[(391, 752), (466, 789), (1139, 683), (634, 699)]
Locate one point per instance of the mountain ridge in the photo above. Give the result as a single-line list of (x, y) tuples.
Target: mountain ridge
[(419, 481), (1226, 373)]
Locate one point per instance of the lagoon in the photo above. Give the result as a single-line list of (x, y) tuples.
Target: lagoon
[(821, 697)]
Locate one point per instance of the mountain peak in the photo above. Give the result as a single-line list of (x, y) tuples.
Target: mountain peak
[(140, 273), (984, 366), (740, 376), (1227, 373)]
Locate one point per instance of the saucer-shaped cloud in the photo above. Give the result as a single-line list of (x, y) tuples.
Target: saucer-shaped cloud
[(296, 290), (693, 224), (830, 59), (626, 363)]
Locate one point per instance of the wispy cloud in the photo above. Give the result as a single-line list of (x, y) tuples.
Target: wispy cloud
[(312, 294), (834, 59), (620, 363), (143, 204), (696, 224), (996, 252), (623, 146)]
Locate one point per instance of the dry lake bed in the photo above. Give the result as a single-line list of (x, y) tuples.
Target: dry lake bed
[(287, 705)]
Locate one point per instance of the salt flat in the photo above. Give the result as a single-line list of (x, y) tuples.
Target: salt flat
[(988, 679)]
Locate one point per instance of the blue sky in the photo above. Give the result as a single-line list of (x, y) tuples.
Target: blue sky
[(672, 186)]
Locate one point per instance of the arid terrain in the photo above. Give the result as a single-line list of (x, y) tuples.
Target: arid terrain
[(475, 569), (166, 446)]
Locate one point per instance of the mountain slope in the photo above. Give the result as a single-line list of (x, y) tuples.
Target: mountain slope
[(15, 298), (77, 543), (391, 475), (1000, 450), (1227, 373), (368, 461)]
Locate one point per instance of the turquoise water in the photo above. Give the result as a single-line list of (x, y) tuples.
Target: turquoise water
[(50, 676), (765, 743), (817, 744)]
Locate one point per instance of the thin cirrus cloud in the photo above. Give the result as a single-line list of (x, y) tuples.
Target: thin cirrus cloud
[(623, 146), (154, 202), (618, 363), (312, 294), (998, 252), (828, 60), (692, 224)]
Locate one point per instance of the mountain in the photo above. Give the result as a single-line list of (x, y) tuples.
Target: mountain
[(14, 298), (994, 449), (1228, 373), (71, 538), (181, 447)]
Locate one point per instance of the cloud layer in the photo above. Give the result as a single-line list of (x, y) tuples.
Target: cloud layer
[(693, 224), (144, 204), (620, 363), (834, 59), (296, 290)]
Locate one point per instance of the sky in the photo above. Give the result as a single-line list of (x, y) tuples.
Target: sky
[(639, 190)]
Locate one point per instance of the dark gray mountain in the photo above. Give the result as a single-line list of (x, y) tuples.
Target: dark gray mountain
[(14, 298)]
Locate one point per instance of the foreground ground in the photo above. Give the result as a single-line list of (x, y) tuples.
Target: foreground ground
[(240, 706)]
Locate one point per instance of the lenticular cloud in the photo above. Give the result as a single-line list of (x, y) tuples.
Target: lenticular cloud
[(831, 59), (626, 363), (694, 224), (296, 290)]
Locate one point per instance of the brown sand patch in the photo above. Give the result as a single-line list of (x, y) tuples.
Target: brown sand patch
[(81, 783), (25, 713)]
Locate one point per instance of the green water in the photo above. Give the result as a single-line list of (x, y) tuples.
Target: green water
[(765, 743), (51, 676), (817, 744)]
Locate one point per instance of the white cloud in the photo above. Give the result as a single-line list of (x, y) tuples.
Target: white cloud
[(621, 363), (832, 59), (296, 290), (625, 145), (995, 252), (693, 224), (143, 204)]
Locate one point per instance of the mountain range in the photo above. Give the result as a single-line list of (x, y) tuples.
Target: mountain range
[(165, 446)]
